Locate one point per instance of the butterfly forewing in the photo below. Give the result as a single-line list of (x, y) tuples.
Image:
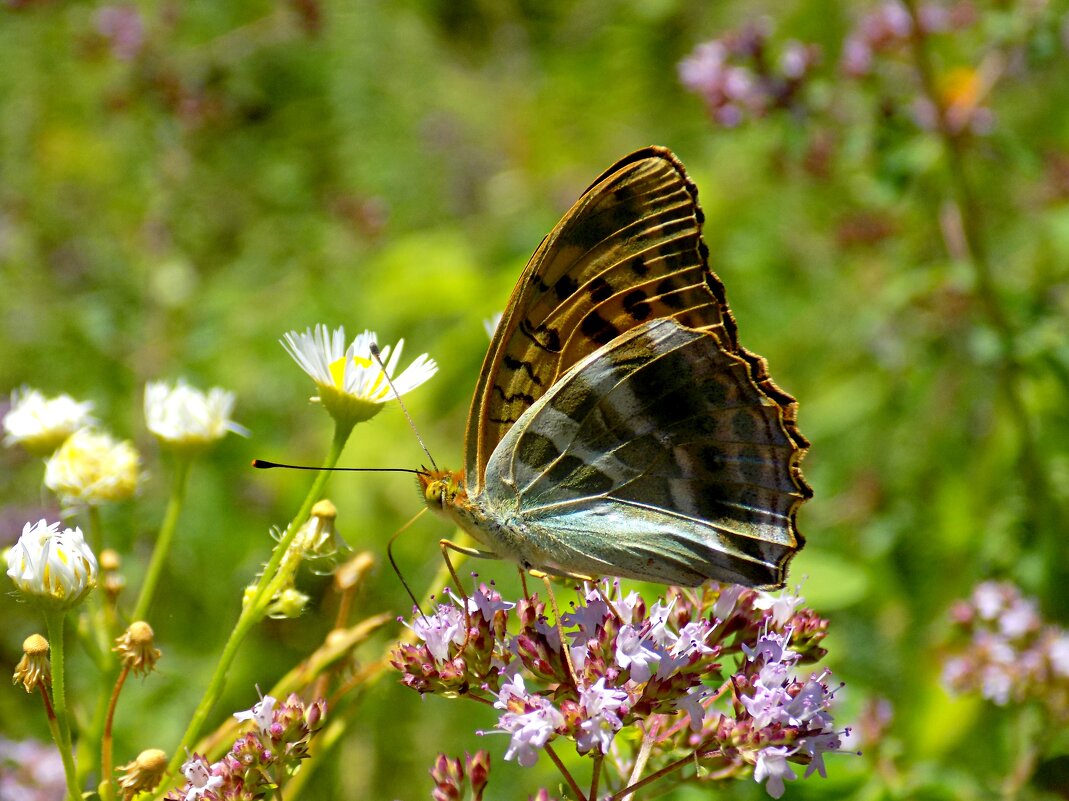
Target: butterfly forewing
[(630, 250), (618, 427), (659, 458)]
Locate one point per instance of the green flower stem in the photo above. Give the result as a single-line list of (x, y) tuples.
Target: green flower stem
[(107, 763), (163, 542), (97, 616), (564, 772), (253, 611), (97, 642), (54, 619), (96, 529), (1035, 482)]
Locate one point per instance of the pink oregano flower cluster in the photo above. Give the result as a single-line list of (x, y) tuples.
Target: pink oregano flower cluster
[(740, 77), (659, 668), (1006, 652), (260, 759)]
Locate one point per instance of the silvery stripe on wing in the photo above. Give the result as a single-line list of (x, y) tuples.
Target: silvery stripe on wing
[(523, 458)]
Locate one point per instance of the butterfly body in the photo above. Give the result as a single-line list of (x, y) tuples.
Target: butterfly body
[(618, 428)]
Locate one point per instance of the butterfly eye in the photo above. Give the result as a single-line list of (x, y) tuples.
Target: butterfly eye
[(435, 493)]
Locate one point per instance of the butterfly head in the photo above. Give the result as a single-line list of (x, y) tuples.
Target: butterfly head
[(442, 489)]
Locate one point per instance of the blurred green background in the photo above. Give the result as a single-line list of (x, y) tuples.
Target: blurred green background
[(182, 182)]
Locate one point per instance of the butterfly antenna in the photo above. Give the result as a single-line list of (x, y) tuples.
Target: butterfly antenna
[(264, 464), (393, 562), (397, 396)]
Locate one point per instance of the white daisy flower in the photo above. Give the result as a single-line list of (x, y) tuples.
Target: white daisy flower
[(184, 417), (352, 386), (40, 424), (52, 565), (90, 467)]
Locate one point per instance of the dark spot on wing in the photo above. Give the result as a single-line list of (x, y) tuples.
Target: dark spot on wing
[(523, 397), (598, 328), (536, 450), (587, 480), (744, 426), (576, 399), (563, 468), (638, 266), (515, 364), (635, 304), (666, 290), (600, 290), (565, 286), (543, 336), (602, 223), (537, 279)]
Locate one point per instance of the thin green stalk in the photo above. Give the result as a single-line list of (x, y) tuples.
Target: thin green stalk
[(107, 764), (54, 619), (179, 482), (970, 211), (96, 529), (97, 643), (628, 791), (252, 613), (643, 754), (96, 606)]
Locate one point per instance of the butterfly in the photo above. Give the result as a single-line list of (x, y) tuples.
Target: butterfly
[(618, 428)]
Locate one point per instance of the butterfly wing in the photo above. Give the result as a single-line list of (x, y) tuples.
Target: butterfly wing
[(629, 250), (659, 458)]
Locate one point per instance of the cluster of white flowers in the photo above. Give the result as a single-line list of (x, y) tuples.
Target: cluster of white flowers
[(781, 699), (1012, 654), (530, 718), (90, 467)]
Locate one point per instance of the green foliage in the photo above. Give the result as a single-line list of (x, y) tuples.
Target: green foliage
[(258, 167)]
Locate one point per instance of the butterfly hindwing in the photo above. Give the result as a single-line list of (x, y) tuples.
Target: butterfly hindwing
[(657, 457), (630, 250)]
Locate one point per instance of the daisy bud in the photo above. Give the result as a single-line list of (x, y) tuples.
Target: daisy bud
[(112, 581), (318, 537), (91, 468), (350, 573), (34, 669), (143, 774), (40, 424), (184, 418), (57, 568), (289, 603), (352, 386), (135, 648)]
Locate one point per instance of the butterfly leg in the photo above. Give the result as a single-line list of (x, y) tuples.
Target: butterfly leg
[(445, 546), (565, 650), (608, 603)]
